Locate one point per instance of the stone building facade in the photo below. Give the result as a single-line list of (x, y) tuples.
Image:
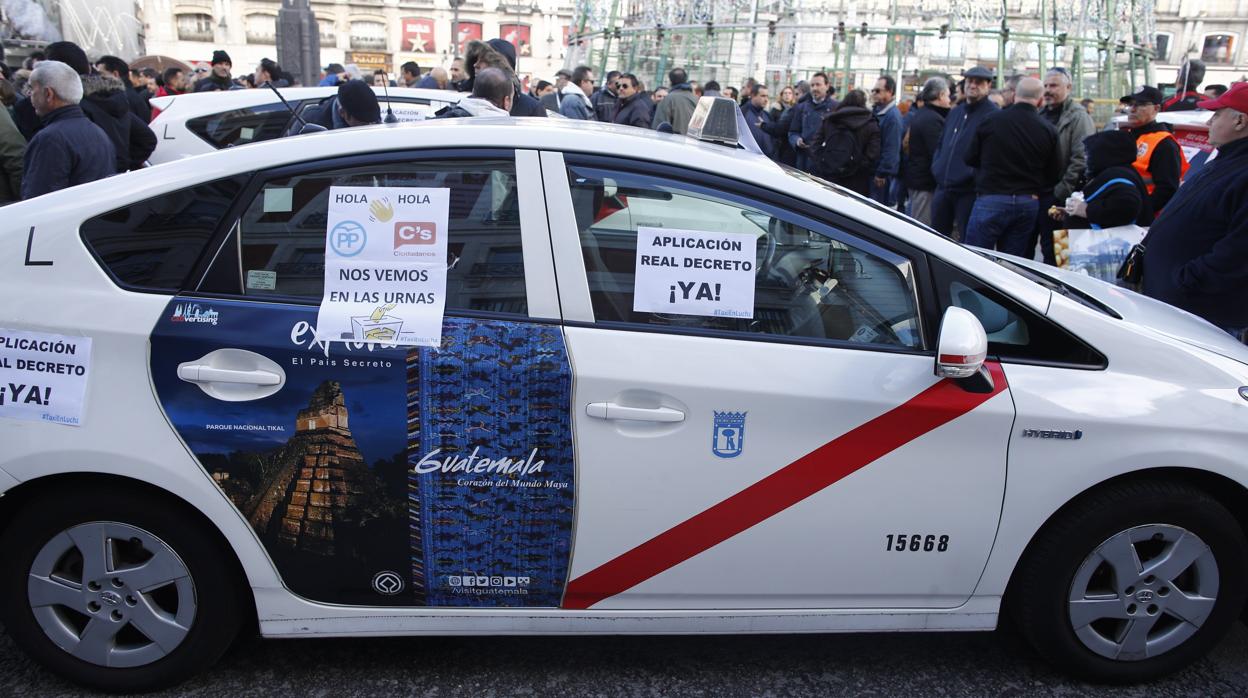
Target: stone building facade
[(370, 33)]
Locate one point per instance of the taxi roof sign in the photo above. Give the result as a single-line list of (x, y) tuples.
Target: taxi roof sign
[(715, 120)]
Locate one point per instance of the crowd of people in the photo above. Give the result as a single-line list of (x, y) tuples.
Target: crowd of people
[(995, 167)]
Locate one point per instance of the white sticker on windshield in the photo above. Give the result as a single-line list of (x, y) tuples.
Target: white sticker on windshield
[(278, 200), (694, 272)]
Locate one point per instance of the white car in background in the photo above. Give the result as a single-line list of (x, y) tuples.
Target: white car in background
[(201, 122), (678, 389)]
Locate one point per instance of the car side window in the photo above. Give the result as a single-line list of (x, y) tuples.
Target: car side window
[(152, 245), (1014, 332), (241, 126), (811, 281), (281, 235)]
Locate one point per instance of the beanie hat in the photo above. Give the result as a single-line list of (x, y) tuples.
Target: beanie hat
[(221, 57), (357, 99), (70, 54), (506, 48)]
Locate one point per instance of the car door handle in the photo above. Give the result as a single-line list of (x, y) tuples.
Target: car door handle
[(610, 410), (198, 373)]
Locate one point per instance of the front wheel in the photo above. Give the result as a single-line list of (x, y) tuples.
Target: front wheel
[(1133, 582), (117, 590)]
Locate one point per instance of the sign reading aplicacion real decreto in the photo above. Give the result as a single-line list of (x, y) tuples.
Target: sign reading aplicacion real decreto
[(694, 272), (43, 377)]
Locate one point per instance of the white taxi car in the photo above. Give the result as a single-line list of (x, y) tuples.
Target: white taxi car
[(629, 382), (203, 122)]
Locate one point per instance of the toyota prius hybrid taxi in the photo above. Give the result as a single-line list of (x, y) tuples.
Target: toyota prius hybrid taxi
[(508, 376)]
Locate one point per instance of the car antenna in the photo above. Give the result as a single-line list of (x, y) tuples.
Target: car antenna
[(390, 117), (304, 127)]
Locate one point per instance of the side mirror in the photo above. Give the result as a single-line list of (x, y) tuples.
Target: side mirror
[(962, 345)]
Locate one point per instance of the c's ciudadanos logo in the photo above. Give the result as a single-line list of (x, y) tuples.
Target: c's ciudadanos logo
[(415, 233), (347, 239), (729, 436)]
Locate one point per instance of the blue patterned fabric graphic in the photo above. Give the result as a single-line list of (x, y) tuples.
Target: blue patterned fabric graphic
[(499, 535)]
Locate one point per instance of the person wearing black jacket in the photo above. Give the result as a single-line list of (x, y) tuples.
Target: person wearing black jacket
[(497, 53), (924, 138), (1159, 161), (219, 80), (853, 116), (955, 182), (1114, 195), (1016, 158), (104, 101), (633, 107), (1196, 254), (113, 66)]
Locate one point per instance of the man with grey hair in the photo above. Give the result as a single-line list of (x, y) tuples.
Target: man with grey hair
[(68, 149), (1014, 154), (1073, 125), (922, 141)]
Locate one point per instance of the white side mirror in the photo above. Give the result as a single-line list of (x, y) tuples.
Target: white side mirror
[(962, 345)]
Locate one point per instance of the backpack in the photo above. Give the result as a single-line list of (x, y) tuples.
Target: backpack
[(838, 155)]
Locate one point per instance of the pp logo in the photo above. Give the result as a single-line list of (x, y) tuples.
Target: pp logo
[(418, 233), (348, 238), (387, 582)]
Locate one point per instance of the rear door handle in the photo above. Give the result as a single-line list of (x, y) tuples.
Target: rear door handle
[(610, 410), (199, 373)]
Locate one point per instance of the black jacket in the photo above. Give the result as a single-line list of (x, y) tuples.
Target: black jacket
[(634, 111), (68, 150), (1165, 167), (27, 120), (861, 122), (212, 83), (948, 165), (1197, 250), (605, 105), (1109, 157), (139, 106), (1014, 151), (925, 129), (525, 105), (104, 102)]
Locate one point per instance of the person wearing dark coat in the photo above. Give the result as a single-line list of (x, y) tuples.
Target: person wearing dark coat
[(807, 117), (113, 66), (955, 180), (759, 120), (1196, 254), (1115, 194), (69, 149), (219, 79), (926, 126), (497, 53), (782, 119), (632, 106), (1016, 159), (67, 52), (355, 105), (853, 115), (104, 102)]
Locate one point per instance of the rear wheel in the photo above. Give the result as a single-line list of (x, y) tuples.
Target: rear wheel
[(117, 590), (1133, 582)]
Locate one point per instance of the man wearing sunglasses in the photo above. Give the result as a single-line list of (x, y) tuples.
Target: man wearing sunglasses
[(633, 107)]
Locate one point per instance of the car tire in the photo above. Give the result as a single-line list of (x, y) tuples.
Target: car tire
[(1091, 618), (118, 590)]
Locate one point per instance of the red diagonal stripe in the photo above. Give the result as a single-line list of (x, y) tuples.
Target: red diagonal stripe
[(815, 471)]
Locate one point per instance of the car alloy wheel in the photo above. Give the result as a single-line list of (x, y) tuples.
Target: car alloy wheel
[(1143, 592), (111, 594)]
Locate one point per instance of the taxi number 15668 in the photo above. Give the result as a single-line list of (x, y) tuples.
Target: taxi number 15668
[(914, 543)]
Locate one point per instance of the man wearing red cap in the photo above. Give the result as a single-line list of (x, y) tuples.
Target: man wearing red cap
[(1196, 254)]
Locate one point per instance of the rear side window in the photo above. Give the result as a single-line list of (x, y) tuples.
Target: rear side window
[(152, 245), (241, 126)]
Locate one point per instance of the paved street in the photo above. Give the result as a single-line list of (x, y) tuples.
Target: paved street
[(875, 665)]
